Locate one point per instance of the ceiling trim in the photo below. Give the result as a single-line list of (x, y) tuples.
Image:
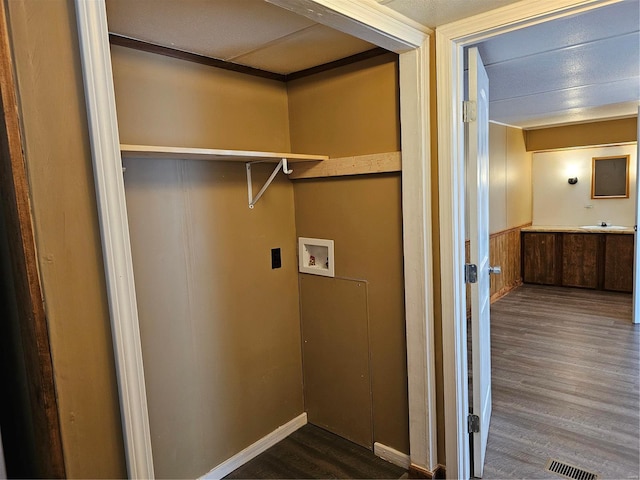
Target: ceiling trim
[(128, 42), (501, 20), (358, 57), (123, 41)]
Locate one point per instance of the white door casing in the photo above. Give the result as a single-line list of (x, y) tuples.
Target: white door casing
[(450, 41), (636, 264), (366, 20), (478, 203)]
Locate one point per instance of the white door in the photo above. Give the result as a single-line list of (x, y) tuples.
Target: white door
[(636, 270), (478, 204)]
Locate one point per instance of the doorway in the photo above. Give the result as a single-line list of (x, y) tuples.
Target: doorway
[(451, 40), (414, 60)]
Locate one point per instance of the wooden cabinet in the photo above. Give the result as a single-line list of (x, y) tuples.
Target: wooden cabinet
[(580, 259), (618, 267), (587, 260), (539, 258)]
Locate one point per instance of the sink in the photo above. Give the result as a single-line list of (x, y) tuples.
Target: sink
[(608, 227)]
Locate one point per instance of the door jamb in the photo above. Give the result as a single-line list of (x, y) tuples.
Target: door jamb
[(636, 245), (34, 330), (368, 20), (450, 41)]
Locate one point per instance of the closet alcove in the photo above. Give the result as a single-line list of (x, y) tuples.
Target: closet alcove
[(234, 349)]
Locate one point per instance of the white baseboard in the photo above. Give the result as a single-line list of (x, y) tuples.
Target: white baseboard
[(256, 448), (392, 455)]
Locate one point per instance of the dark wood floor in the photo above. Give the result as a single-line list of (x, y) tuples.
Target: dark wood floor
[(565, 383), (312, 452)]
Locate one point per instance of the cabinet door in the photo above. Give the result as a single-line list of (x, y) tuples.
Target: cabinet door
[(580, 253), (539, 258), (618, 265)]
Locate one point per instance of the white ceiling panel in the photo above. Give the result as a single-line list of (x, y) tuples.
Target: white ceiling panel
[(589, 96), (308, 48), (600, 62), (220, 29), (588, 27)]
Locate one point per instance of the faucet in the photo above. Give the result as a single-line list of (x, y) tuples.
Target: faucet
[(604, 224)]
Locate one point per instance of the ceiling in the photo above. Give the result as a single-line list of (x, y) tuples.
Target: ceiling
[(566, 71), (570, 70), (247, 32)]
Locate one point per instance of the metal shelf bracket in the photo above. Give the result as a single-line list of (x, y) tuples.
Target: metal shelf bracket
[(282, 164)]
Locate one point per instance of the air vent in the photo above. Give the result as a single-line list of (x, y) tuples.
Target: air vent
[(569, 471)]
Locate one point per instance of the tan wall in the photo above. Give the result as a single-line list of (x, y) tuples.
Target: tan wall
[(584, 134), (346, 111), (67, 234), (220, 329), (164, 101), (364, 216), (353, 111), (510, 198)]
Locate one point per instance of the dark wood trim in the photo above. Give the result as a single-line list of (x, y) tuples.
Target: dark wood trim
[(122, 41), (34, 333), (358, 57), (128, 42)]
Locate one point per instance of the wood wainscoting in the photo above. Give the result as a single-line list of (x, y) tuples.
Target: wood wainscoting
[(504, 251)]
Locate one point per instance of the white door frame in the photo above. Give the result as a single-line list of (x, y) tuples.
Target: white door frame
[(367, 20), (636, 241), (450, 41)]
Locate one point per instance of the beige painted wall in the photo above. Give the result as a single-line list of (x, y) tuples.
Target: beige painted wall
[(66, 226), (220, 329), (555, 202), (510, 179), (348, 111), (364, 216), (352, 111), (584, 134), (165, 101)]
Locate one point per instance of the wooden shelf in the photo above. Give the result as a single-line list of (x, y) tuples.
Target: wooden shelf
[(358, 165), (316, 166), (152, 151)]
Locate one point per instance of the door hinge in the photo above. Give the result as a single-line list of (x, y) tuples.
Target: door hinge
[(473, 423), (468, 111), (470, 273)]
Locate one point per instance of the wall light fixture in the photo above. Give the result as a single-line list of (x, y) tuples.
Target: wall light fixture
[(573, 180)]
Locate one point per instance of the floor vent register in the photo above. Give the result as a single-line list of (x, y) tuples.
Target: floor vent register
[(569, 471)]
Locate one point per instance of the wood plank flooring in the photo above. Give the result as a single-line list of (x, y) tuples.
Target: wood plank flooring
[(312, 452), (565, 383)]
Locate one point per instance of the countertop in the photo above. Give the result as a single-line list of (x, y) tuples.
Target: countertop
[(576, 229)]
